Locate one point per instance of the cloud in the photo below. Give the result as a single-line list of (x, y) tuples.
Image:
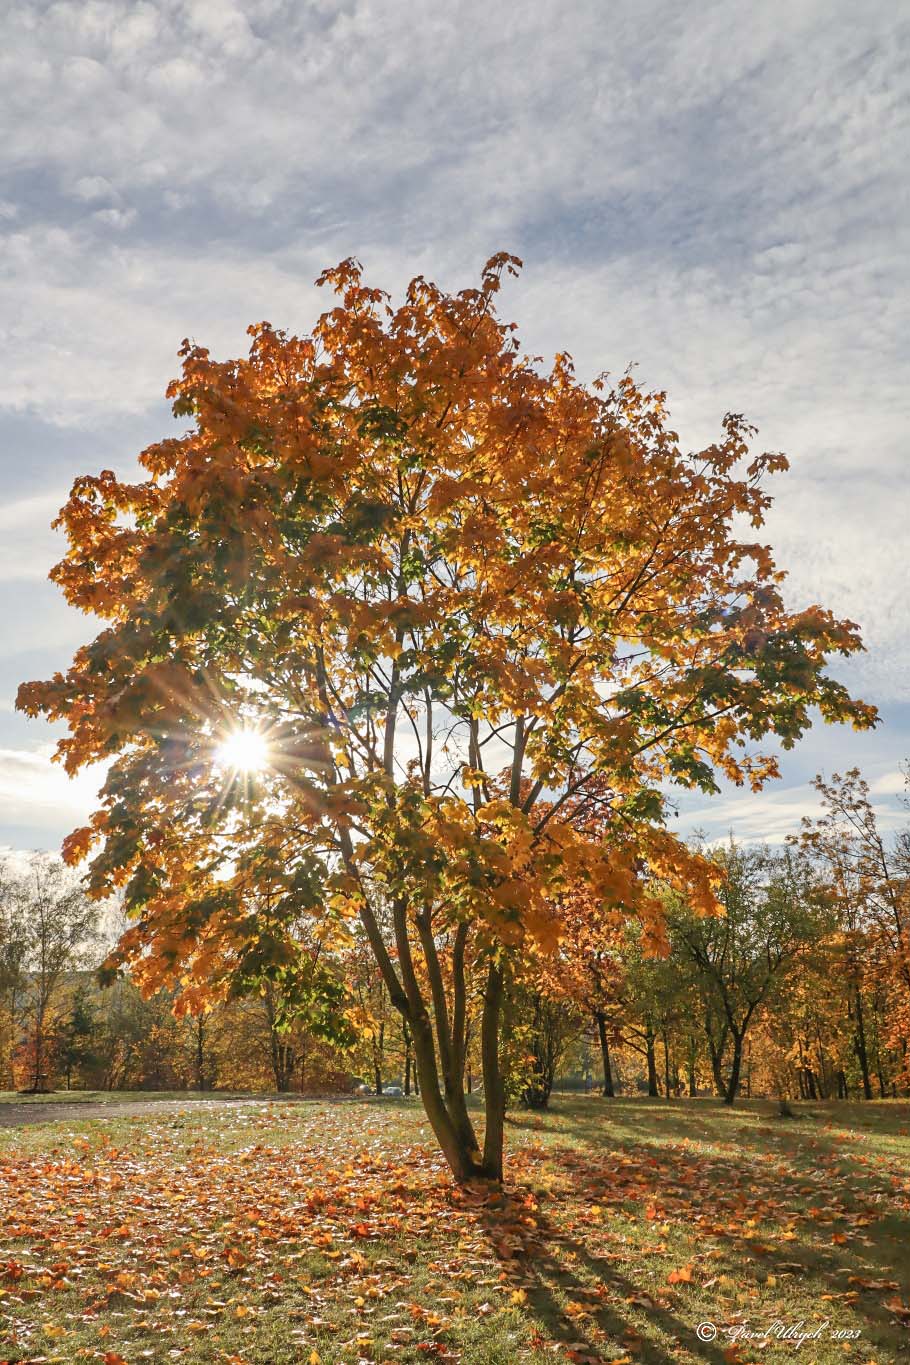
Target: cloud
[(891, 784), (31, 787), (774, 815), (92, 188), (28, 547), (723, 204)]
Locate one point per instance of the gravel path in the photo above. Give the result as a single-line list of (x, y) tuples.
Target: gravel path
[(14, 1115)]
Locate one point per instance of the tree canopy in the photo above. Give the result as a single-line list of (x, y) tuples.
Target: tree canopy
[(479, 616)]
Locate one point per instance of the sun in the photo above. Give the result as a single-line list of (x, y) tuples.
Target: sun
[(244, 751)]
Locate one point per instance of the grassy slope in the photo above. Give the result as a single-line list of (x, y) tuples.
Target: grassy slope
[(331, 1233)]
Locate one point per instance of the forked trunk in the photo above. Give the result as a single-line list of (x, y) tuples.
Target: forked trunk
[(441, 1082), (460, 1152)]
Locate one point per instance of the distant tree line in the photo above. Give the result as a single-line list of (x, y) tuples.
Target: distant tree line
[(799, 989)]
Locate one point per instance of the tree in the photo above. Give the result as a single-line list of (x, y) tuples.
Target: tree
[(13, 974), (456, 601), (771, 911), (868, 878), (60, 924), (648, 1003), (552, 1024), (74, 1041)]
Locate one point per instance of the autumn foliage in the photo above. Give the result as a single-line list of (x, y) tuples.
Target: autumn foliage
[(469, 604)]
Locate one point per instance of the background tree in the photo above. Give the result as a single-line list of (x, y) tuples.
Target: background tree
[(457, 601), (549, 1021), (60, 923), (771, 911), (868, 878), (13, 974), (74, 1035)]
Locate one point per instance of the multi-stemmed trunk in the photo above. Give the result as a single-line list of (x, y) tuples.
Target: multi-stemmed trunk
[(440, 1042), (443, 1095)]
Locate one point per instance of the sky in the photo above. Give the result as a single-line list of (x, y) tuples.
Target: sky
[(715, 192)]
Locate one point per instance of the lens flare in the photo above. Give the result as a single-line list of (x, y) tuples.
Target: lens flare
[(244, 751)]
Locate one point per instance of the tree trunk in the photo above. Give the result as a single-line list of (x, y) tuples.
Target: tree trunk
[(608, 1089), (462, 1161), (823, 1078), (667, 1081), (493, 1084), (39, 1044), (450, 1025), (653, 1087), (692, 1078), (406, 1034), (451, 1125), (735, 1069), (537, 1092), (716, 1053), (200, 1053), (859, 1043)]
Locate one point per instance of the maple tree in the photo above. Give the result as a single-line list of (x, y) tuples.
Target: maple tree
[(461, 601)]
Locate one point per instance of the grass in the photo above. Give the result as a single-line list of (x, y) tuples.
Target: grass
[(326, 1233)]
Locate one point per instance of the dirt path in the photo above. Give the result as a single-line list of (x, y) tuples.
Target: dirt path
[(14, 1115)]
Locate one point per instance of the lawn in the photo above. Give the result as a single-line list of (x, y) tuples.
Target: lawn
[(330, 1232)]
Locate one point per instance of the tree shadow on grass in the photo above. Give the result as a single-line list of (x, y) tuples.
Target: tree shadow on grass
[(726, 1200), (547, 1268), (691, 1118)]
